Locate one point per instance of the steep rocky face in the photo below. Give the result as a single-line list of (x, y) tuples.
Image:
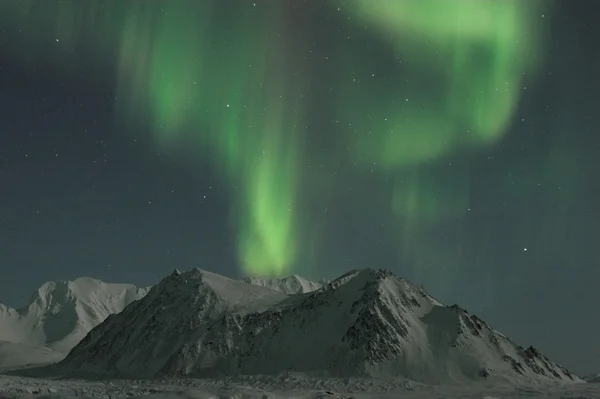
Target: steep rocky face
[(367, 322)]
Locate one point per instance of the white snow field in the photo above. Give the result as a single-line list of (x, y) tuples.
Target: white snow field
[(15, 356), (197, 334)]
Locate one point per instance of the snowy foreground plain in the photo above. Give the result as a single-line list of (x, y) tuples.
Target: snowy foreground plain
[(277, 387)]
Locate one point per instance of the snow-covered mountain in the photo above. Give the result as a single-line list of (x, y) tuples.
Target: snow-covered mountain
[(288, 285), (365, 323), (61, 313)]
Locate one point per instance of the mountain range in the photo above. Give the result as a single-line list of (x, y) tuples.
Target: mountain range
[(60, 313), (367, 323)]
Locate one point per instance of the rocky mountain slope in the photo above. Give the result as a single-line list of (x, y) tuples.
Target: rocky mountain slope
[(365, 323)]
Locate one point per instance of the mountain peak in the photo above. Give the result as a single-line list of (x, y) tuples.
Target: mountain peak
[(61, 312), (64, 291), (366, 322)]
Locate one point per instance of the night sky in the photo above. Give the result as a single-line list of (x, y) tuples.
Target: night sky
[(454, 142)]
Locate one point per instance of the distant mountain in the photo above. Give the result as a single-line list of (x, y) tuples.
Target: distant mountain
[(61, 313), (365, 323), (593, 378), (288, 285)]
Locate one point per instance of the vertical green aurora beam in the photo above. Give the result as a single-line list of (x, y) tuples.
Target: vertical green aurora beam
[(233, 91)]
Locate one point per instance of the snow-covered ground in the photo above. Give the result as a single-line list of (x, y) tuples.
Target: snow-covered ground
[(15, 356), (291, 386)]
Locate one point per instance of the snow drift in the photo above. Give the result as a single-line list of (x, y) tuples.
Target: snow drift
[(365, 323), (61, 313)]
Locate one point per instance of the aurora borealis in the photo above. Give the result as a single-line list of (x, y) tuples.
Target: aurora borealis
[(448, 140)]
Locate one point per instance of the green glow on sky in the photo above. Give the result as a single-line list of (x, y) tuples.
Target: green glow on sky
[(238, 96), (479, 51), (241, 113)]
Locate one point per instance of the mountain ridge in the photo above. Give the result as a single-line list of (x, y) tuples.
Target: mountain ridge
[(293, 284), (364, 323)]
